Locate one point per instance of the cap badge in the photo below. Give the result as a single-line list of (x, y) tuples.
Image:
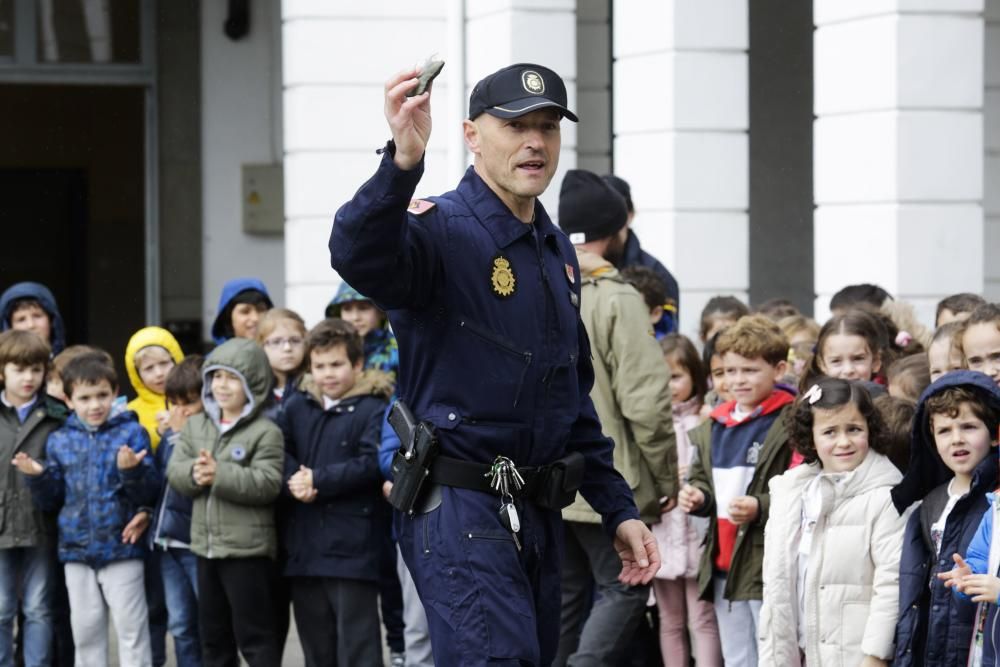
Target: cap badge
[(503, 277), (533, 82)]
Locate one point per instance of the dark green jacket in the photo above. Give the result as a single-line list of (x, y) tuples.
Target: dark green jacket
[(234, 517), (745, 580), (21, 525)]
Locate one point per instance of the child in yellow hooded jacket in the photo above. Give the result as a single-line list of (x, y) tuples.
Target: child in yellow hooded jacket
[(149, 356)]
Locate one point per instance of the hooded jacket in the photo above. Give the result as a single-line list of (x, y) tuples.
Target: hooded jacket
[(148, 403), (42, 295), (21, 523), (935, 626), (851, 585), (95, 499), (631, 389), (234, 516), (381, 350), (335, 536), (229, 292)]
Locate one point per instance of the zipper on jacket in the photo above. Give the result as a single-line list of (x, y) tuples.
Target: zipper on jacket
[(501, 343)]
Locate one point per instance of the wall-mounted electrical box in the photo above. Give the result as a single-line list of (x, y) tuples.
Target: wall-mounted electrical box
[(263, 199)]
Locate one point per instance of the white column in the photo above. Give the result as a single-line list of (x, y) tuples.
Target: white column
[(680, 123), (337, 57), (899, 148), (991, 111)]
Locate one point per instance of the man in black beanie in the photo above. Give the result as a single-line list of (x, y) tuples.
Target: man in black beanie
[(483, 292), (632, 398)]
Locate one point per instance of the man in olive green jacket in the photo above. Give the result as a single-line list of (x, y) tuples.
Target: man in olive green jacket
[(230, 459), (632, 396)]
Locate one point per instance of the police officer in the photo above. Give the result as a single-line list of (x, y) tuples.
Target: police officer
[(483, 292)]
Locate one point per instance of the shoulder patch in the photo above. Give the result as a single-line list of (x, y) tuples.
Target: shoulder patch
[(420, 206)]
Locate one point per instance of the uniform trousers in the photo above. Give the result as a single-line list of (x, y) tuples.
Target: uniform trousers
[(487, 601)]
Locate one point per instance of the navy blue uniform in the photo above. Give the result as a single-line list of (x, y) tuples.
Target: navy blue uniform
[(492, 352)]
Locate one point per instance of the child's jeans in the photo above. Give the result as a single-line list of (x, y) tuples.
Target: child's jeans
[(680, 610), (120, 587), (179, 568), (737, 626), (27, 569)]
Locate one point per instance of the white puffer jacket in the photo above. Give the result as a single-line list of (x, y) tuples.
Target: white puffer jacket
[(852, 579)]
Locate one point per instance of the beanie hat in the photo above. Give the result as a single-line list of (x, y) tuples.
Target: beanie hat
[(589, 208), (621, 186)]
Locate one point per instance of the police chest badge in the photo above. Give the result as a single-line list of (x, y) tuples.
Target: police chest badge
[(503, 277)]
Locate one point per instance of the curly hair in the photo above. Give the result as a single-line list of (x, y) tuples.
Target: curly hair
[(753, 337), (834, 393), (949, 402)]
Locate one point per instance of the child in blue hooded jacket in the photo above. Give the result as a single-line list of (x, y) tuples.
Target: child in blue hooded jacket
[(31, 307), (242, 302), (381, 350), (953, 466), (98, 471)]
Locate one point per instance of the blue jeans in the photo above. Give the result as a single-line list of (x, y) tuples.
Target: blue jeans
[(31, 570), (180, 583)]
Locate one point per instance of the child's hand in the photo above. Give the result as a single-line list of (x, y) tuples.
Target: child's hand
[(981, 587), (301, 485), (135, 528), (744, 510), (690, 498), (954, 576), (203, 470), (162, 421), (128, 458), (27, 465)]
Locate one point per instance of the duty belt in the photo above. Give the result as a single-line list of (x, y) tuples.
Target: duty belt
[(552, 486)]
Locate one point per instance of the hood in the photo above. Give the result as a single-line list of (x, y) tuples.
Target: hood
[(229, 292), (146, 337), (345, 294), (926, 470), (779, 398), (246, 359), (370, 383), (594, 266), (42, 295)]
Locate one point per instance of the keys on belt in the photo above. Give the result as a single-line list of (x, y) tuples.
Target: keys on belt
[(505, 480)]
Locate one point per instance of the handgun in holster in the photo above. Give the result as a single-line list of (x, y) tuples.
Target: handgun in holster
[(411, 466)]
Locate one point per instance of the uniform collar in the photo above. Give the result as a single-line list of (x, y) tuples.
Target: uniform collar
[(493, 214)]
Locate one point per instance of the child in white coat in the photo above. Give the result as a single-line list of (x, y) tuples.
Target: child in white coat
[(832, 542)]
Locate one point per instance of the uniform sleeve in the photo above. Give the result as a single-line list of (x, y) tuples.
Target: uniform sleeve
[(141, 483), (388, 448), (698, 475), (257, 482), (641, 384), (885, 549), (377, 248), (357, 473), (603, 486), (181, 462)]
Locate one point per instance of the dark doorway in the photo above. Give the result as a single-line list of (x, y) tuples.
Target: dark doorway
[(781, 152), (72, 175), (45, 237)]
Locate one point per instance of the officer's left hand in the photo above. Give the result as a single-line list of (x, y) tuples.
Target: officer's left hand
[(637, 548)]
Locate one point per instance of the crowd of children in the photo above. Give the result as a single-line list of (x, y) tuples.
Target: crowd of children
[(836, 502)]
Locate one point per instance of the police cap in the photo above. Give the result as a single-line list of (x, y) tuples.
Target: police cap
[(517, 90)]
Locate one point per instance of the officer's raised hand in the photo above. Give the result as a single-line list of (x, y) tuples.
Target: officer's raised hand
[(409, 118), (636, 546)]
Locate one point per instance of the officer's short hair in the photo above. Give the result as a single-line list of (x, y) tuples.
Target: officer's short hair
[(334, 331)]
